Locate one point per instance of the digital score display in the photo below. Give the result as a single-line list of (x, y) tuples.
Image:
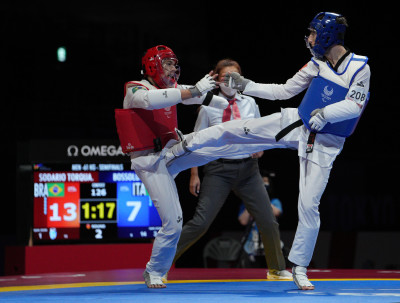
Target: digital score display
[(88, 203)]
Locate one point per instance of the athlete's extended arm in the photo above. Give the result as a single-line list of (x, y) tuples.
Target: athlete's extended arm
[(138, 96), (292, 87)]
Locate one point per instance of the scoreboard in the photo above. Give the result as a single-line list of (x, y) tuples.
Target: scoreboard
[(91, 202)]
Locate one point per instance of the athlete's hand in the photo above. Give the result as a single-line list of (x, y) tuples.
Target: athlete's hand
[(204, 85), (235, 80), (317, 121), (194, 185), (257, 155)]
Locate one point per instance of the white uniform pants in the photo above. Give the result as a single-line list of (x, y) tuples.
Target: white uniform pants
[(233, 138), (163, 192), (313, 181)]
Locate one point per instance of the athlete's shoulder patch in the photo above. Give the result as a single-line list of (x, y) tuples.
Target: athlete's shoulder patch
[(360, 84), (137, 87)]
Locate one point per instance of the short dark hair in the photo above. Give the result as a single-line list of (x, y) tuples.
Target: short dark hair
[(342, 20), (339, 20)]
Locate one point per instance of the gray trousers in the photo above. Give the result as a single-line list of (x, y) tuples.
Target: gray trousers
[(246, 182)]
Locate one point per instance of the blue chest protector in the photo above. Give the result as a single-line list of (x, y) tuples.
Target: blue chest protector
[(321, 93)]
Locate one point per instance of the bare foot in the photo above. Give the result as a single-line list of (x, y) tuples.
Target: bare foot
[(153, 281), (156, 286), (307, 287)]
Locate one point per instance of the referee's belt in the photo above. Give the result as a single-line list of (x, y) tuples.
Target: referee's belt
[(230, 161)]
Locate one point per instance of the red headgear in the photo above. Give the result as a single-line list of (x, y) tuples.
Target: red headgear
[(152, 65)]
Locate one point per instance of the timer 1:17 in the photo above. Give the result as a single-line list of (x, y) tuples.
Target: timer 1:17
[(98, 210)]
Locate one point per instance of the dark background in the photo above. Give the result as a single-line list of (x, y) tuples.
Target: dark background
[(45, 99)]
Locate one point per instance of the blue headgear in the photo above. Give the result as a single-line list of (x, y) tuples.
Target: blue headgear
[(328, 33)]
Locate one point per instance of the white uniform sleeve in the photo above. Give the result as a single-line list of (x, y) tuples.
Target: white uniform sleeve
[(202, 121), (352, 106), (295, 85), (140, 97)]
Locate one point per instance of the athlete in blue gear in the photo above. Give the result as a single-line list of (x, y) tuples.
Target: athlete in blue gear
[(338, 83)]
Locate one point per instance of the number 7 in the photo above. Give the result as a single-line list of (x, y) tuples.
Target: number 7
[(136, 207)]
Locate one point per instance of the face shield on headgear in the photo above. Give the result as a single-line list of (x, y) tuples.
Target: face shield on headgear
[(161, 64), (328, 32)]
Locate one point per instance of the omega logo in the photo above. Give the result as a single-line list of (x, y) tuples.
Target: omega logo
[(94, 151)]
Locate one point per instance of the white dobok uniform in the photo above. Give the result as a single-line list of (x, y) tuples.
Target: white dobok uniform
[(159, 183), (252, 135)]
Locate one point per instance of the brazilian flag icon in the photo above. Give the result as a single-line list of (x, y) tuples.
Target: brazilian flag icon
[(55, 189)]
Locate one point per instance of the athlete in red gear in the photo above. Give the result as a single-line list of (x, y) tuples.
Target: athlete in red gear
[(153, 100)]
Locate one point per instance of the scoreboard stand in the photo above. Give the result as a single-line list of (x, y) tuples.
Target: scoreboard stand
[(25, 260)]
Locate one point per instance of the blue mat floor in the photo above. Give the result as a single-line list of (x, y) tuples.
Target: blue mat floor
[(221, 292)]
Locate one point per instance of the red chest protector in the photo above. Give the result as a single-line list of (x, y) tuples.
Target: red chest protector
[(141, 129)]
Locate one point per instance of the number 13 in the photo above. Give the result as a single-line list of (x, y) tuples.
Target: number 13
[(70, 209)]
